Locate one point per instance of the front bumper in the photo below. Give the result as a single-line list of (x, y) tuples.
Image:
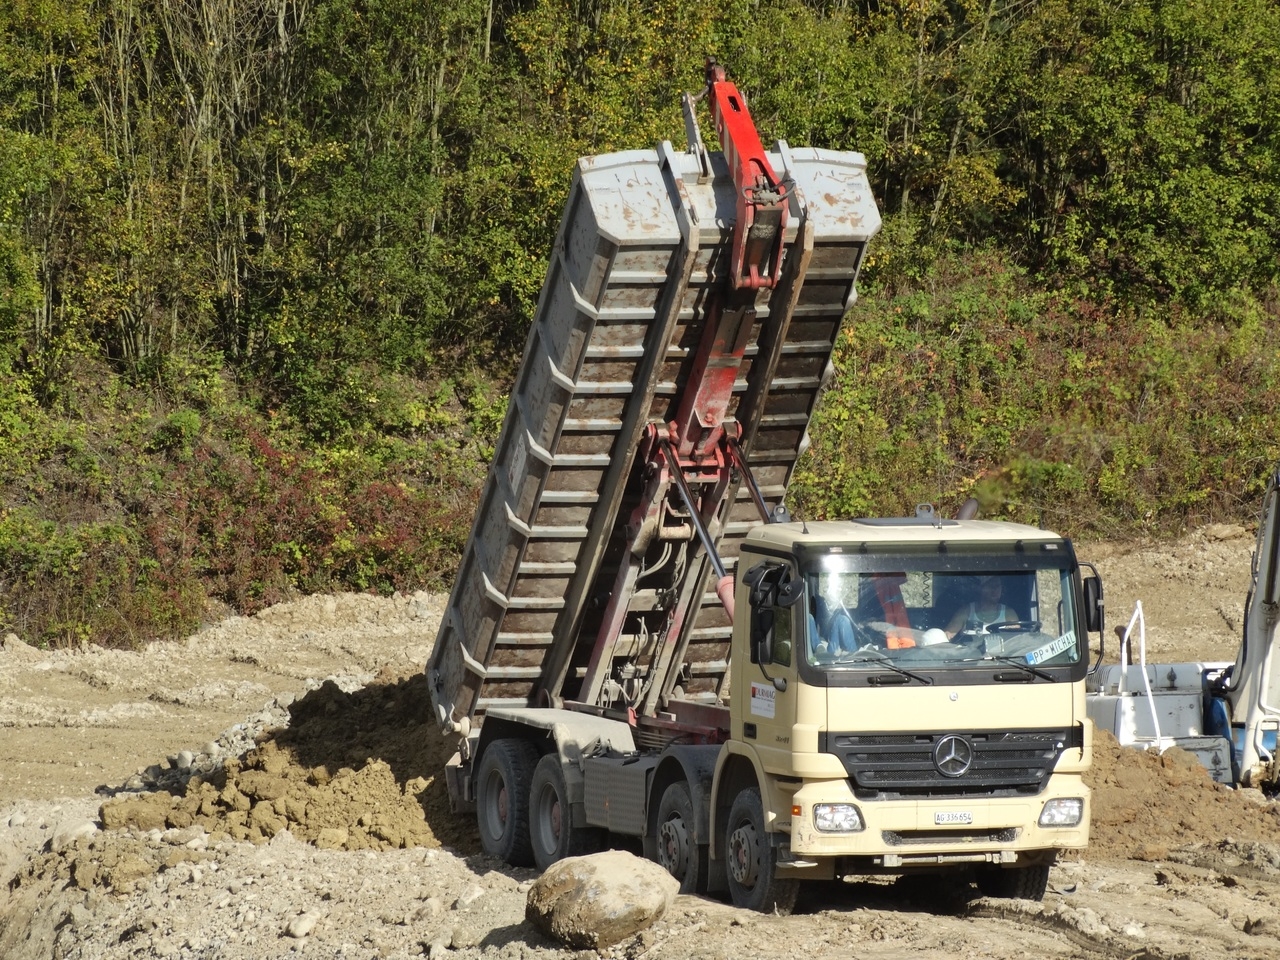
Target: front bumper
[(932, 830)]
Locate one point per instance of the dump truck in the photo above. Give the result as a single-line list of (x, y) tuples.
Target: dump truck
[(643, 649), (1227, 713)]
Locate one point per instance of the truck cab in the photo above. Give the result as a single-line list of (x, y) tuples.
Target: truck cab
[(895, 719)]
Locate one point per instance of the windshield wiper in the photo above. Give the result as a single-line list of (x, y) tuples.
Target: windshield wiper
[(1021, 665), (902, 671)]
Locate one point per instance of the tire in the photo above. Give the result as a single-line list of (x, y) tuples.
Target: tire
[(552, 831), (1014, 883), (678, 852), (752, 861), (502, 800)]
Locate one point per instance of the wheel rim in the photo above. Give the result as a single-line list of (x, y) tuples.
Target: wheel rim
[(548, 818), (673, 846), (497, 807), (744, 855)]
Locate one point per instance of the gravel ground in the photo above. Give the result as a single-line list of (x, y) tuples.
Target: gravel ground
[(269, 788)]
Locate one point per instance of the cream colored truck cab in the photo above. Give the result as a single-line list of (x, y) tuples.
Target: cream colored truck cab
[(893, 716)]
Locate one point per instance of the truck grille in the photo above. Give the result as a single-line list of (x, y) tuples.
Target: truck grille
[(1001, 763)]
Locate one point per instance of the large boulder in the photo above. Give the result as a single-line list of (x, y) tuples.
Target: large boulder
[(596, 901)]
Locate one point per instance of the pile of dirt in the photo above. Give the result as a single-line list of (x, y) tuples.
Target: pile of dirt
[(352, 771), (1146, 804), (364, 771)]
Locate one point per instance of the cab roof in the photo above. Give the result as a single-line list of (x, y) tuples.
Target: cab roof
[(894, 530)]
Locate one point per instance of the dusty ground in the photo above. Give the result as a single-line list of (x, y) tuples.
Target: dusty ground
[(301, 814)]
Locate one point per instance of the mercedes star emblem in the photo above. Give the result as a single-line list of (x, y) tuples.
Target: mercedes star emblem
[(953, 756)]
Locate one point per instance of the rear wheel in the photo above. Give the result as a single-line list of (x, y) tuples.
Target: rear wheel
[(502, 800), (752, 861), (683, 858), (1015, 883), (552, 830)]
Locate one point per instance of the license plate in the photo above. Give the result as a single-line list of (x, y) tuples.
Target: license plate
[(952, 816)]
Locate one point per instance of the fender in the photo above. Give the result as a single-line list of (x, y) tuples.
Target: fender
[(696, 765), (570, 735), (736, 767)]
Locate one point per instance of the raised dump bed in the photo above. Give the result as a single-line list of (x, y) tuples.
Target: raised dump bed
[(643, 246)]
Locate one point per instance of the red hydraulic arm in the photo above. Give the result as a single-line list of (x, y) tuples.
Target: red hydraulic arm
[(688, 461), (762, 195)]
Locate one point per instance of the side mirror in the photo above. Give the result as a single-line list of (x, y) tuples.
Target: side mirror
[(762, 635), (1093, 604), (790, 591), (771, 584)]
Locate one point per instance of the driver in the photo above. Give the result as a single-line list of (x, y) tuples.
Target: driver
[(984, 612)]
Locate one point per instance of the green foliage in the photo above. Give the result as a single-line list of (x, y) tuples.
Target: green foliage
[(123, 528), (1153, 142), (1047, 409), (71, 584), (267, 266), (176, 434), (257, 524)]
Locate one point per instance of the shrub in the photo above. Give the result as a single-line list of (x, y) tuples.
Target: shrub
[(1089, 417), (69, 584)]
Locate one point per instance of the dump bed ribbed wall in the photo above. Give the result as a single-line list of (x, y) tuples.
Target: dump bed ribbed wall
[(641, 245)]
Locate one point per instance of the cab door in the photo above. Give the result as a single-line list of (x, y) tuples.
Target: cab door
[(776, 640)]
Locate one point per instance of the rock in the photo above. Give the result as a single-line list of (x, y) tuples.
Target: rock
[(465, 936), (69, 831), (468, 897), (142, 812), (596, 901), (1259, 926), (431, 908), (182, 837), (1224, 531), (331, 838), (1088, 923), (13, 646), (128, 873), (302, 924), (81, 917)]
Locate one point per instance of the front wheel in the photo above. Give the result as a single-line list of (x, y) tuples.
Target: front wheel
[(502, 800), (552, 831), (678, 852), (752, 861), (1015, 883)]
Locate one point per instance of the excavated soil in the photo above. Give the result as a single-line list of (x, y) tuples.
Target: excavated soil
[(273, 787), (351, 771)]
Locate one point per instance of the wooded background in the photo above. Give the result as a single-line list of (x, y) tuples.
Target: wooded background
[(266, 269)]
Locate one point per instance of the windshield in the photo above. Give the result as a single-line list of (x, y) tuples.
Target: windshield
[(923, 612)]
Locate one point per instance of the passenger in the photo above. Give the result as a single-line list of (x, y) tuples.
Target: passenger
[(840, 638), (831, 638), (985, 612), (888, 587)]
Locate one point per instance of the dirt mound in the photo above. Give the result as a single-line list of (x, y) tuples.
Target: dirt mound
[(364, 771), (352, 771), (1145, 804)]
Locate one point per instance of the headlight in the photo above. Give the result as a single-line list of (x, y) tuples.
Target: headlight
[(1063, 812), (837, 817)]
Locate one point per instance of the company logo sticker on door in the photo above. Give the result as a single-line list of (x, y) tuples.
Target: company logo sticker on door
[(762, 704)]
